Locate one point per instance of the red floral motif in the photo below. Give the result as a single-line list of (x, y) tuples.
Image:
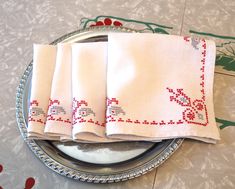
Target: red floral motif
[(190, 115), (171, 122), (198, 104), (137, 121), (129, 121), (36, 113), (153, 123), (34, 102), (195, 112), (107, 22), (112, 100), (114, 110), (180, 97), (194, 42), (187, 38), (54, 109), (162, 123), (120, 120), (145, 122), (81, 113)]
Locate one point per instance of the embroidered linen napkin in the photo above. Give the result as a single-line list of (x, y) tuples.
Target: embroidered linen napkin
[(89, 62), (44, 58), (160, 87), (59, 115)]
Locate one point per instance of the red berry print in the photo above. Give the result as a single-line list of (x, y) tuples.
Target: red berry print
[(99, 23), (107, 21), (1, 168), (117, 23), (29, 183)]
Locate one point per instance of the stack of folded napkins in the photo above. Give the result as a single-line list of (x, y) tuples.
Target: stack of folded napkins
[(134, 87)]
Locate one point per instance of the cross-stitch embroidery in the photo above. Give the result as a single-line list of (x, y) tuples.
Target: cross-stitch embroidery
[(82, 113), (55, 111), (195, 111), (36, 114), (113, 110), (194, 42)]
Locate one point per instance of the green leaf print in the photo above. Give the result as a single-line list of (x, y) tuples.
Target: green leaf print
[(227, 62)]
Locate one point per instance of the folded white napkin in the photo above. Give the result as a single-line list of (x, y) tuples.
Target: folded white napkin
[(44, 58), (160, 87), (89, 62), (59, 115)]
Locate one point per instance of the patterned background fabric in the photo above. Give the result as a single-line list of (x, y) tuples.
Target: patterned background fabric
[(195, 164)]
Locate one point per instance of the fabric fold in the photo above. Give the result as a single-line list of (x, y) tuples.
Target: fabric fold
[(59, 115), (44, 58), (89, 61)]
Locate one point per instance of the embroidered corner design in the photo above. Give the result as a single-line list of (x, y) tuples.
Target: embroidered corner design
[(193, 41), (36, 114), (55, 112), (195, 111), (114, 110), (82, 113)]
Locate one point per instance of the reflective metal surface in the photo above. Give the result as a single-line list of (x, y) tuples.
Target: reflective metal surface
[(99, 163)]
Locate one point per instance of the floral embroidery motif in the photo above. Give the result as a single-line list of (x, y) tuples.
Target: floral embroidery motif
[(113, 110), (112, 105), (195, 111), (55, 110), (36, 114), (194, 41), (82, 113)]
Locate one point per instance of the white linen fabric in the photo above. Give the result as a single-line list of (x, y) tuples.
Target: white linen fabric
[(44, 59), (138, 86), (160, 87), (59, 115), (89, 61)]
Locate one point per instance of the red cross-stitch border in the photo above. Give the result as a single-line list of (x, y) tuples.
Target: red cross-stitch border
[(191, 107)]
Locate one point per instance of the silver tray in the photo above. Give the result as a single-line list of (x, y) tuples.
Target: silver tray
[(98, 163)]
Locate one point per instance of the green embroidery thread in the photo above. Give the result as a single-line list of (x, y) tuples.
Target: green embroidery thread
[(225, 123)]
